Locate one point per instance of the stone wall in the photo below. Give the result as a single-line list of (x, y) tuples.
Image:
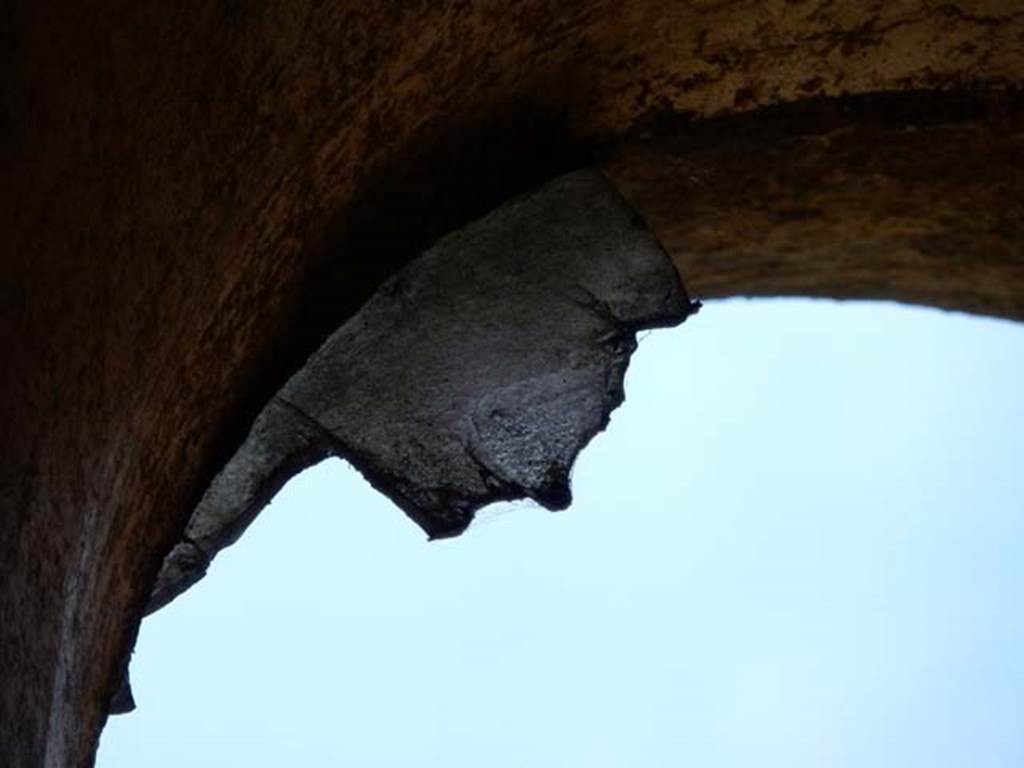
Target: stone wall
[(196, 193)]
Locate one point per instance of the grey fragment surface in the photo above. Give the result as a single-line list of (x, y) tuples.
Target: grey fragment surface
[(123, 701), (474, 375)]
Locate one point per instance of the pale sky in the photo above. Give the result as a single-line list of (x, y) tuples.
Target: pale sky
[(799, 544)]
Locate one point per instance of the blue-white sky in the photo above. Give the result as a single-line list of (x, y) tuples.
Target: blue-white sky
[(799, 544)]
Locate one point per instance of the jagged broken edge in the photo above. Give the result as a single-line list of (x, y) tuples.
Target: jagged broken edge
[(554, 495)]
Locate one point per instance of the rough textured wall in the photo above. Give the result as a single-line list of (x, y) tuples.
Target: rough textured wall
[(476, 374), (914, 197), (196, 192)]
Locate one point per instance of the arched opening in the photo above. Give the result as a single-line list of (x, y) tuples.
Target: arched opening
[(797, 544), (143, 349)]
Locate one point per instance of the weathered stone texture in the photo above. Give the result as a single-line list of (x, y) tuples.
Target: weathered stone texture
[(474, 375), (918, 199), (196, 193)]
